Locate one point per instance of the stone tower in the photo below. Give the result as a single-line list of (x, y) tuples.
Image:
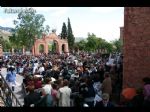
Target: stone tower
[(136, 46)]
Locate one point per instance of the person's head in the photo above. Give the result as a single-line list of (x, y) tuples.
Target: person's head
[(65, 82), (13, 68), (54, 86), (146, 80), (30, 88), (106, 75), (86, 69), (82, 79), (40, 79), (88, 81), (139, 91), (36, 61), (78, 69), (35, 78), (30, 78), (9, 68), (48, 80), (92, 65), (105, 98)]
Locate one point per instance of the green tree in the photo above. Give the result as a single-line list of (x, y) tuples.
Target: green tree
[(15, 41), (81, 45), (91, 42), (70, 35), (103, 44), (47, 29), (28, 25), (1, 40), (109, 47), (64, 31), (5, 44), (117, 45)]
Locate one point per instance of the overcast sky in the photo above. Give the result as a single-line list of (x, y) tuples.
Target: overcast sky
[(104, 22)]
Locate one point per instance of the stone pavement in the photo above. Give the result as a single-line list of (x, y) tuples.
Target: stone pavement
[(2, 104), (18, 89)]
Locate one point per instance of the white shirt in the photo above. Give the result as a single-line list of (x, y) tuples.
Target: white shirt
[(97, 99), (48, 88), (64, 96), (41, 69), (110, 62), (35, 67), (36, 64), (75, 61)]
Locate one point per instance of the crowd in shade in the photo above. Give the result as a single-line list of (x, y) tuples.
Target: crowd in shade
[(75, 80)]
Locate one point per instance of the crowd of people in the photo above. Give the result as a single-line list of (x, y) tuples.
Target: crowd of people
[(81, 79)]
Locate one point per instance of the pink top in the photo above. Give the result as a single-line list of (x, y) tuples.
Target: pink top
[(54, 93)]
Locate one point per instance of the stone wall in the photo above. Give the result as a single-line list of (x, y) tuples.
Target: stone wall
[(136, 45)]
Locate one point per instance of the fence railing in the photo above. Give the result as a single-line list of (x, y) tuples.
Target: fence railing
[(7, 94), (24, 89)]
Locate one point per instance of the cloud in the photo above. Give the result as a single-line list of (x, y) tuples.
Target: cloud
[(54, 11), (107, 30), (7, 22), (60, 12), (105, 9), (47, 9)]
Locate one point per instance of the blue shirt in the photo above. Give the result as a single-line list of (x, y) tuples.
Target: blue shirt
[(11, 76)]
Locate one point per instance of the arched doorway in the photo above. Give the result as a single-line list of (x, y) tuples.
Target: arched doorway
[(41, 48), (51, 43), (63, 48), (52, 46), (55, 46)]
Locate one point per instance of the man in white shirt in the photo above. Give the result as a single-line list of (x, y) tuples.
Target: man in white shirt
[(47, 87), (41, 69), (64, 95), (35, 66)]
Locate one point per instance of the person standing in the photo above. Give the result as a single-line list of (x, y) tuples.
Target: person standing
[(46, 99), (48, 86), (64, 95), (105, 102), (146, 91), (11, 77), (32, 98), (107, 84)]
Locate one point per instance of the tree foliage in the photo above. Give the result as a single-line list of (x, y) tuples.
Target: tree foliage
[(94, 44), (64, 31), (80, 45), (117, 45), (91, 42), (28, 25), (5, 44), (70, 35)]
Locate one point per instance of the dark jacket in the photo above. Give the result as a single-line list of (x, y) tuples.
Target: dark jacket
[(137, 101), (31, 98), (100, 104), (46, 101)]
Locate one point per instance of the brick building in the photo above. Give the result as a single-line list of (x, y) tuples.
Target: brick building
[(136, 46)]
